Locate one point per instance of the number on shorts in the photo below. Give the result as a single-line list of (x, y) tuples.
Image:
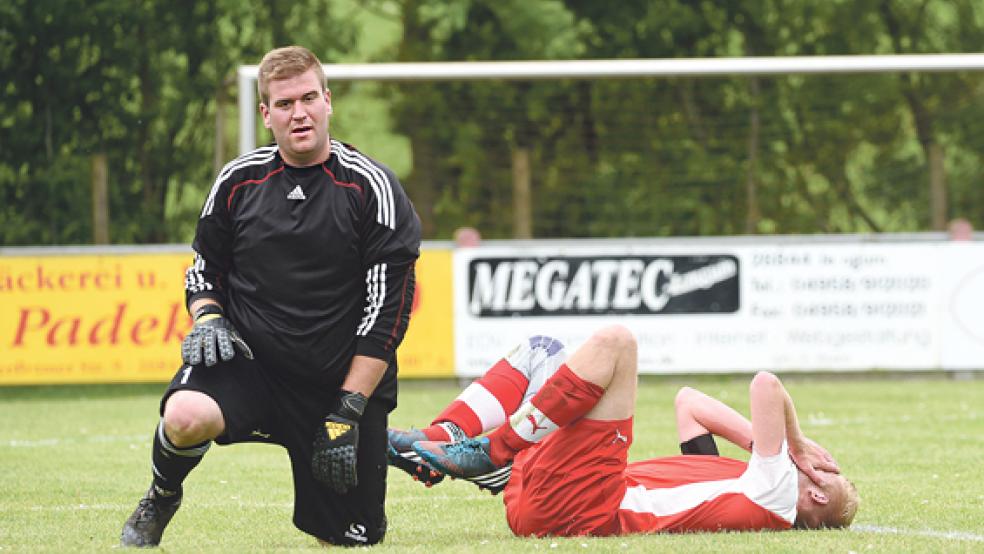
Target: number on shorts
[(187, 374)]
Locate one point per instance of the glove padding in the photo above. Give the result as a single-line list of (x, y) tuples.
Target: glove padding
[(213, 332), (336, 441), (334, 461)]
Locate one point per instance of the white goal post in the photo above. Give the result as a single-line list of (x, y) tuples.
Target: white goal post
[(585, 69)]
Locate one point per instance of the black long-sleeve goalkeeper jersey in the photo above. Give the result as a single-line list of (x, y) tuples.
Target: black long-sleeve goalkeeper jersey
[(313, 265)]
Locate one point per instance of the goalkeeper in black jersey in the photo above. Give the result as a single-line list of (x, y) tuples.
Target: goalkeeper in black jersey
[(300, 290)]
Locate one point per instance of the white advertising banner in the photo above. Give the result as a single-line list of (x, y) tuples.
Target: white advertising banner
[(962, 306), (701, 307)]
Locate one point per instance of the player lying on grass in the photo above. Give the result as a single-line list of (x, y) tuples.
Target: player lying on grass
[(562, 455)]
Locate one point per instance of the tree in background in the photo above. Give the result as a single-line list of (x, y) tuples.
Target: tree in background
[(148, 87), (731, 155), (137, 83)]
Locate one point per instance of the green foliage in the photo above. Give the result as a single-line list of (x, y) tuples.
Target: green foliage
[(678, 156), (139, 83), (151, 85), (75, 460)]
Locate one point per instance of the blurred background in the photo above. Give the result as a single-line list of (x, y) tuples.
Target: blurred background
[(135, 103)]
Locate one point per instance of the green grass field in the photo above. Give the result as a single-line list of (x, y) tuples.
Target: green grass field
[(74, 461)]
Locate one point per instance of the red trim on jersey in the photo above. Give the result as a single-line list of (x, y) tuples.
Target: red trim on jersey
[(403, 301), (341, 183), (250, 182)]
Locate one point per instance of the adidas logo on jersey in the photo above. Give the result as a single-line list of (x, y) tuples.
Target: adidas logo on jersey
[(296, 194)]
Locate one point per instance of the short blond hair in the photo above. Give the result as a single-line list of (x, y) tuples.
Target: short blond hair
[(851, 501), (285, 63), (844, 503)]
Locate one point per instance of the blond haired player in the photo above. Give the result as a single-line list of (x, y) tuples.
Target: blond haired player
[(561, 430)]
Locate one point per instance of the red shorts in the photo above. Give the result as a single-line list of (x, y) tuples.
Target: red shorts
[(572, 483)]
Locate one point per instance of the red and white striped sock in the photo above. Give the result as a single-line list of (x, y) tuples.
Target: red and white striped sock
[(485, 404), (443, 431), (564, 398)]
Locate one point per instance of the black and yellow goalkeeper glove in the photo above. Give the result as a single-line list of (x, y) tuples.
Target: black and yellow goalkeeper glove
[(212, 337), (336, 442)]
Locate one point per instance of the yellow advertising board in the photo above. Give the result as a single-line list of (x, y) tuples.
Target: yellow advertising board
[(118, 316), (428, 346)]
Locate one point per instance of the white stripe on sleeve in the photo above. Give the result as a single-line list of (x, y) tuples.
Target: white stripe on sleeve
[(256, 157), (375, 296), (195, 276), (376, 177)]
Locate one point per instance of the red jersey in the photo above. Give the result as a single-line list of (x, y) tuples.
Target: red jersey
[(577, 482), (709, 493)]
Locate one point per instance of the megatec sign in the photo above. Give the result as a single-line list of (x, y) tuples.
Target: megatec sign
[(729, 306), (603, 285)]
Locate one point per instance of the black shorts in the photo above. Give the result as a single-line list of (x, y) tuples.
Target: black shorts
[(259, 406)]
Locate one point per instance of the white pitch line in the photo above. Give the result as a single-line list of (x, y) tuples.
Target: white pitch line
[(435, 499), (953, 535), (233, 503), (220, 504), (82, 439)]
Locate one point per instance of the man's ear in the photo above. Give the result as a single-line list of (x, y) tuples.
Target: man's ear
[(265, 112), (819, 496)]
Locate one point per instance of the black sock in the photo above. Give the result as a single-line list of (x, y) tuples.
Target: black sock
[(702, 445), (172, 464)]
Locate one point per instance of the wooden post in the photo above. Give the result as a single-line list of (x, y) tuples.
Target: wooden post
[(937, 186), (752, 213), (100, 199), (522, 194), (218, 152)]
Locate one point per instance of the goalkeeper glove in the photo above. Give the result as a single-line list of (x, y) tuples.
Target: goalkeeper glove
[(212, 331), (335, 443)]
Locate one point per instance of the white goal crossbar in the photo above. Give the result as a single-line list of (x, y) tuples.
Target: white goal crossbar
[(601, 69)]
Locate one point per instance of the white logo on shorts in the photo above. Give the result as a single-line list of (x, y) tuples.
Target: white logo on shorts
[(620, 437), (357, 532)]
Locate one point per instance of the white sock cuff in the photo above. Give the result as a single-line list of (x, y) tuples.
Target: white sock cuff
[(195, 451)]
